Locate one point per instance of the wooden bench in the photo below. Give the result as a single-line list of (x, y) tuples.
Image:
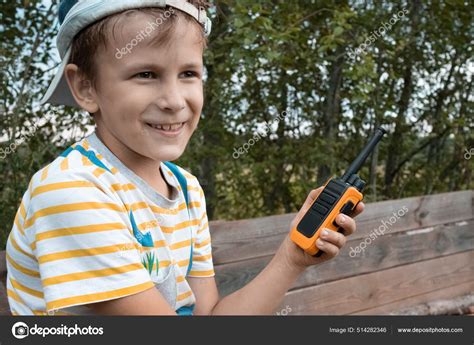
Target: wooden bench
[(427, 255), (4, 308), (425, 258)]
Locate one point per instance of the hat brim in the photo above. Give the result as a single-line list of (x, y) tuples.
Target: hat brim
[(58, 92)]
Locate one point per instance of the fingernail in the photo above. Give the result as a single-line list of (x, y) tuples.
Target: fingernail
[(342, 219), (325, 233), (320, 243)]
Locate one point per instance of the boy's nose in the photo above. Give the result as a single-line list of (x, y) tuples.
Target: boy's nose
[(170, 99)]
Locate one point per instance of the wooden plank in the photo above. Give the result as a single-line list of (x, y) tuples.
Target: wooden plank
[(367, 291), (397, 307), (4, 307), (455, 300), (387, 251), (3, 268), (249, 238)]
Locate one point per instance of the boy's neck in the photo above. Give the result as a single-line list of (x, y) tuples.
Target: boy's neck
[(149, 170)]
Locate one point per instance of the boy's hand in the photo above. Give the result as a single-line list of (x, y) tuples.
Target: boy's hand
[(330, 244)]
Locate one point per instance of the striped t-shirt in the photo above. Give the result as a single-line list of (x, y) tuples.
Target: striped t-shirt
[(89, 229)]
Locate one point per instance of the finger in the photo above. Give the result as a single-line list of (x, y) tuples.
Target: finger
[(359, 209), (339, 240), (328, 248), (347, 223)]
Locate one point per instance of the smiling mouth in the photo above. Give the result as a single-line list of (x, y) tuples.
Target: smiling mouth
[(174, 127)]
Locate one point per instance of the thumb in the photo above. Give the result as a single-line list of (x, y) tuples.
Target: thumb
[(307, 204), (311, 198)]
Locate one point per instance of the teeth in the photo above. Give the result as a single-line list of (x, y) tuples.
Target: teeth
[(168, 127)]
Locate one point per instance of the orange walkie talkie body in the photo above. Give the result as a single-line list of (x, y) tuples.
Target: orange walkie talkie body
[(340, 195)]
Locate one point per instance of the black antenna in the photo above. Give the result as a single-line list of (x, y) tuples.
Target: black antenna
[(366, 151)]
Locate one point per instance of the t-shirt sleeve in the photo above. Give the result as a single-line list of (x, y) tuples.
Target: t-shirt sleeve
[(202, 265), (81, 236)]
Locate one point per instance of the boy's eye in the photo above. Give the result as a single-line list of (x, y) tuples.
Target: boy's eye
[(146, 75), (190, 74)]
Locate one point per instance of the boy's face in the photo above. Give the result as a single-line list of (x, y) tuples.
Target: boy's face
[(150, 100)]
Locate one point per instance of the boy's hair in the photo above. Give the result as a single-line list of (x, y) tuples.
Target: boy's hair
[(87, 42)]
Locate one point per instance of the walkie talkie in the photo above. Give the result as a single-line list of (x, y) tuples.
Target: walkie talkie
[(340, 195)]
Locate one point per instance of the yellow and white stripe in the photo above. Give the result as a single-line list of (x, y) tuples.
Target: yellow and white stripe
[(72, 242)]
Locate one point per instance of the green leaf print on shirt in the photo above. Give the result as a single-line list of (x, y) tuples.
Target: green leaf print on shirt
[(149, 261)]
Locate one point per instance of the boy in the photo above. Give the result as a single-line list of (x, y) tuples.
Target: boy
[(110, 226)]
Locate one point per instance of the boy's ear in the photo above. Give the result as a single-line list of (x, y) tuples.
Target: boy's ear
[(81, 89)]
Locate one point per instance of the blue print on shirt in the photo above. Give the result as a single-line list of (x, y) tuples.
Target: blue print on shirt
[(144, 239)]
